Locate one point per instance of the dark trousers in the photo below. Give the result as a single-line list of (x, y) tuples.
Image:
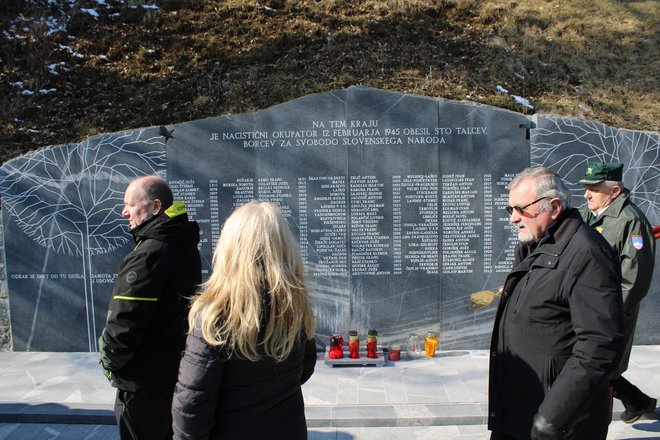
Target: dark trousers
[(143, 416), (631, 396)]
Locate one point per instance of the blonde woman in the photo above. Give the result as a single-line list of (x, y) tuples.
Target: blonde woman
[(251, 344)]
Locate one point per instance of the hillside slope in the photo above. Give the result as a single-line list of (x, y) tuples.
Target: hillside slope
[(73, 68)]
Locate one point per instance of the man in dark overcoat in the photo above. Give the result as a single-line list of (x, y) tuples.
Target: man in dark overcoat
[(558, 332)]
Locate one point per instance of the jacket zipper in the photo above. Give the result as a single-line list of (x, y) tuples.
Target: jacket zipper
[(536, 254), (521, 291)]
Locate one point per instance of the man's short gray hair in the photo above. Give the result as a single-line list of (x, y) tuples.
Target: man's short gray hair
[(612, 183), (548, 184)]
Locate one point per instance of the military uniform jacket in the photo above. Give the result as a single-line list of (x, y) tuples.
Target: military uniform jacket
[(558, 334), (146, 327), (627, 230)]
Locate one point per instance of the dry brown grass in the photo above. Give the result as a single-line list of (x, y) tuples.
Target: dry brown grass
[(199, 58)]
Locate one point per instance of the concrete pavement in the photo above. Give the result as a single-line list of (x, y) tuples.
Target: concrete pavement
[(64, 396)]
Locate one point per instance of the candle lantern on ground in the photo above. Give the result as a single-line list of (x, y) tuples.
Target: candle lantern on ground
[(335, 351), (414, 346), (394, 353), (354, 344), (372, 343), (430, 343)]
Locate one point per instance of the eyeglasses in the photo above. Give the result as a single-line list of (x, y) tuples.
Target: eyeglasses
[(521, 209)]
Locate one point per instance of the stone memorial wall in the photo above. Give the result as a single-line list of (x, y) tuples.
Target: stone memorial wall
[(397, 202)]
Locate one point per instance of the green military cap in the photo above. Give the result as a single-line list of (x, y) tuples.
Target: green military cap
[(598, 172)]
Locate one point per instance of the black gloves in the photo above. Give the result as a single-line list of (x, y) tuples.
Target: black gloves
[(542, 429)]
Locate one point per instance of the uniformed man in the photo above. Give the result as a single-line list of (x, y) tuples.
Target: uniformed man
[(611, 211)]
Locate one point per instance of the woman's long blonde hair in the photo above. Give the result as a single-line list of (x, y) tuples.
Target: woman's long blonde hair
[(256, 253)]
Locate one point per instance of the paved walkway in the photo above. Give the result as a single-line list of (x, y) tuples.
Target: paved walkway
[(64, 396)]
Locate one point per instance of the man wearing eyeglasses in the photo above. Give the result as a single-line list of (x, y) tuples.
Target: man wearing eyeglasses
[(558, 331), (626, 228)]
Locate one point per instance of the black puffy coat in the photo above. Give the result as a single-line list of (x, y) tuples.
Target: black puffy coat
[(146, 326), (558, 334), (223, 397)]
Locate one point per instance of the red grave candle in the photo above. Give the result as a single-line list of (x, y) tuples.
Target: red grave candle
[(354, 344), (335, 351), (372, 344)]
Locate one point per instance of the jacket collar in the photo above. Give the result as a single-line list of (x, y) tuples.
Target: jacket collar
[(176, 210), (142, 229), (557, 236), (615, 208), (547, 251)]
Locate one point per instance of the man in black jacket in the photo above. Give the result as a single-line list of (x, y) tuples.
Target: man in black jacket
[(558, 330), (146, 327)]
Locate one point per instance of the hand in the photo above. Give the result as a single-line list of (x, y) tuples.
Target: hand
[(542, 429)]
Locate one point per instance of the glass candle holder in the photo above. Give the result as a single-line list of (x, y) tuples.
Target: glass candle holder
[(335, 351), (394, 353), (372, 344), (430, 343), (414, 346), (353, 344)]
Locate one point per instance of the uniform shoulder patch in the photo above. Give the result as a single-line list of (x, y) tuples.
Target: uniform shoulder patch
[(637, 241)]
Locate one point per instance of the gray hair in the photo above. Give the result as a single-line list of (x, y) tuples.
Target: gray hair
[(548, 184), (612, 183)]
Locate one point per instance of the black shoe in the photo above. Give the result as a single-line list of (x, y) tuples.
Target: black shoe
[(631, 415)]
